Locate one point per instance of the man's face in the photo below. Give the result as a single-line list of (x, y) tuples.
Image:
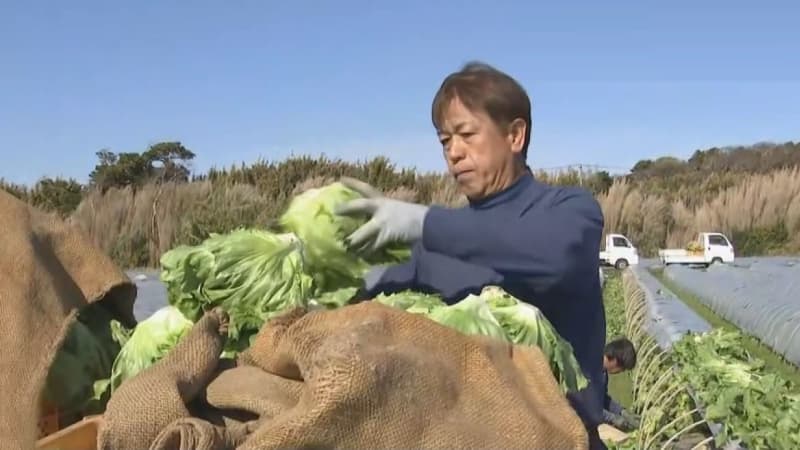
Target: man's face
[(481, 156)]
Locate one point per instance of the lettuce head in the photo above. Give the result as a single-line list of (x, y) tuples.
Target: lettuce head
[(311, 217), (251, 274)]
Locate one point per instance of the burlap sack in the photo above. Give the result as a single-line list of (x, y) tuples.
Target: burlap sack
[(378, 377), (252, 390), (48, 271), (197, 434), (142, 407)]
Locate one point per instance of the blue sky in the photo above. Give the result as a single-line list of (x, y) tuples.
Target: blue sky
[(611, 82)]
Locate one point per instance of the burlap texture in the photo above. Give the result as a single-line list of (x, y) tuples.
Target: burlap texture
[(363, 376), (48, 271), (252, 390), (197, 434), (378, 377), (148, 403)]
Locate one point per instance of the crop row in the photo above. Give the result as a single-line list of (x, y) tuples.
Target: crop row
[(760, 297), (669, 415), (742, 401)]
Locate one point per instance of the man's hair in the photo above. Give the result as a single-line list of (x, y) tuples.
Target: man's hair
[(623, 352), (480, 86)]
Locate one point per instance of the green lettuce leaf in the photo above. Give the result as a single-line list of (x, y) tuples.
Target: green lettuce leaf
[(470, 316), (526, 325), (310, 216), (413, 302), (85, 357), (252, 274), (152, 338)]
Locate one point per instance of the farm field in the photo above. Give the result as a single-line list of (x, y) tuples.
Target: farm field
[(672, 311), (761, 296), (655, 390), (620, 386), (744, 392), (760, 386)]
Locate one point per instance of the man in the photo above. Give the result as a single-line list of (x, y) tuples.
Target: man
[(538, 242), (618, 356)]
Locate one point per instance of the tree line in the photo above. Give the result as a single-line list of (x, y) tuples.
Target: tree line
[(693, 181), (137, 205)]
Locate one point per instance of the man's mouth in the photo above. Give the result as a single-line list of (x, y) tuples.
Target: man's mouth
[(463, 173)]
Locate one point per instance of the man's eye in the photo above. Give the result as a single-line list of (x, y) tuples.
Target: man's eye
[(444, 141)]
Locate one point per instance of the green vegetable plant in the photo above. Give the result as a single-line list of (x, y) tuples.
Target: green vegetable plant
[(150, 341), (410, 301), (255, 274), (732, 388), (661, 396), (84, 359), (470, 316), (252, 274), (310, 216), (759, 408), (525, 324), (500, 315)]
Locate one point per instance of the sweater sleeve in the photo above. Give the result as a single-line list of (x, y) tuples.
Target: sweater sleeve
[(546, 244), (432, 272)]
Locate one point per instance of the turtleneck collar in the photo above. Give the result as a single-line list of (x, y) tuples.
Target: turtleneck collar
[(509, 193)]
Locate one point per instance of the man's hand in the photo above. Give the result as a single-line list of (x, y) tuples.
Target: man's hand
[(632, 420), (391, 220), (624, 420)]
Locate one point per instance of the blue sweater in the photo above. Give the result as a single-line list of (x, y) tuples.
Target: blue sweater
[(541, 244)]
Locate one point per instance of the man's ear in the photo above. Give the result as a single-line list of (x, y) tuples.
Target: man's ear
[(516, 135)]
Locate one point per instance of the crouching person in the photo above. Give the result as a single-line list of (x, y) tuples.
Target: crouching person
[(619, 356)]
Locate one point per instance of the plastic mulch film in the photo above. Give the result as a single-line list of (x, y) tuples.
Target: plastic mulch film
[(759, 295), (669, 318)]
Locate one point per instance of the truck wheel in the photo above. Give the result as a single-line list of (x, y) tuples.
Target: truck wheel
[(716, 260), (621, 264)]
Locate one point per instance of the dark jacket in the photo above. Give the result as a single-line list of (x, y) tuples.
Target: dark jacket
[(541, 244)]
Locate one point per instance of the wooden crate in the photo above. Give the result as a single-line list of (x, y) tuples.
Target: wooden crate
[(78, 436), (49, 419)]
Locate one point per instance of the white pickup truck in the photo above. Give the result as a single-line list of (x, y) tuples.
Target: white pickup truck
[(710, 248), (619, 252)]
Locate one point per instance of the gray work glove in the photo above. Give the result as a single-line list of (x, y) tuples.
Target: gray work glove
[(623, 421), (632, 421), (391, 220), (614, 407)]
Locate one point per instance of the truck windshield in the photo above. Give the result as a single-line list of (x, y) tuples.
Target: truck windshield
[(620, 242), (716, 239)]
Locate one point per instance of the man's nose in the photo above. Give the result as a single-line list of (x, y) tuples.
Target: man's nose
[(455, 151)]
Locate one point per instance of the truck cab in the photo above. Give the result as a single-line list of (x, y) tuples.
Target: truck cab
[(708, 248), (619, 252)]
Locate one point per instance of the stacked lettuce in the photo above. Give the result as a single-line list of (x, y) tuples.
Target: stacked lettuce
[(498, 314), (251, 274), (255, 274)]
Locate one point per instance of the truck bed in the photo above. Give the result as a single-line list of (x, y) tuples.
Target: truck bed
[(676, 256), (681, 252)]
